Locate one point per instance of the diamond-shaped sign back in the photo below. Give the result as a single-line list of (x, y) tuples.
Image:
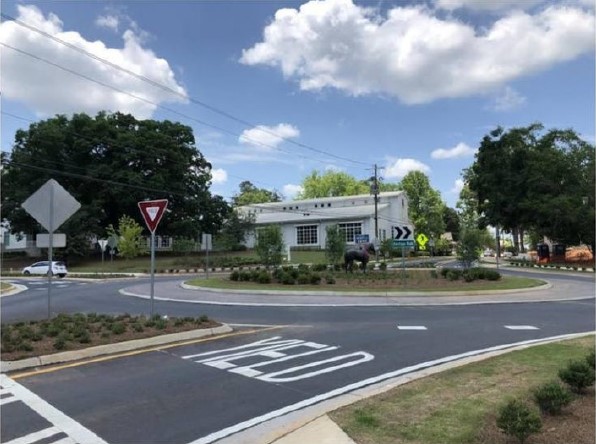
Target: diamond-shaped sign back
[(51, 194)]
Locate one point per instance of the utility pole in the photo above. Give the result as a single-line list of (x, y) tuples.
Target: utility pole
[(375, 192)]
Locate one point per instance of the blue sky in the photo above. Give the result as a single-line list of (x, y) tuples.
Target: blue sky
[(331, 84)]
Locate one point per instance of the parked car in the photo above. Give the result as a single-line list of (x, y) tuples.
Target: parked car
[(58, 268)]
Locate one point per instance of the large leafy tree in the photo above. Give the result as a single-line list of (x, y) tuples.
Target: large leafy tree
[(425, 206), (109, 163), (525, 179), (332, 184), (250, 194)]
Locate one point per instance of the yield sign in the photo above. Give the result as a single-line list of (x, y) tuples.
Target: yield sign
[(152, 211)]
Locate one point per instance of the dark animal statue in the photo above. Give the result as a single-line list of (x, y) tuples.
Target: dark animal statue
[(361, 255)]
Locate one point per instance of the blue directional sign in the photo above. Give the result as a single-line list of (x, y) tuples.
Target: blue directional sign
[(361, 238)]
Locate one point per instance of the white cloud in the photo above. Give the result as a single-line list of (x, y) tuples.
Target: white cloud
[(219, 176), (107, 21), (509, 100), (290, 191), (398, 168), (457, 186), (48, 90), (486, 5), (459, 150), (268, 137), (414, 53)]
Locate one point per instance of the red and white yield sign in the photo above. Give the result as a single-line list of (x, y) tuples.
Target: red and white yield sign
[(152, 211)]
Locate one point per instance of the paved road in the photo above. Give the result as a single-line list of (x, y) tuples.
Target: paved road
[(199, 393)]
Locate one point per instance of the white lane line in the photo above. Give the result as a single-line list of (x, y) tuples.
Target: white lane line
[(4, 391), (35, 436), (50, 413), (521, 327), (357, 385), (8, 400), (411, 327), (65, 440)]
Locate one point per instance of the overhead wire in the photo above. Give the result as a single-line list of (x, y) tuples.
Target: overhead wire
[(175, 92)]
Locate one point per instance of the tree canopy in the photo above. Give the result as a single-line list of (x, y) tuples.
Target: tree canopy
[(109, 163), (250, 194), (425, 206), (332, 184), (527, 179)]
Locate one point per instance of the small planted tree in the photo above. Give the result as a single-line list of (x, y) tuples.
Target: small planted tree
[(334, 244), (270, 245), (517, 419), (469, 246), (130, 243)]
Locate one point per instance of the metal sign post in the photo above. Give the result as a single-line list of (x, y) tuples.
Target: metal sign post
[(206, 240), (152, 212), (102, 244)]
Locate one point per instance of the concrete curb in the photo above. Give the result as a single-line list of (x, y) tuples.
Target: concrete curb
[(16, 289), (100, 350), (186, 286)]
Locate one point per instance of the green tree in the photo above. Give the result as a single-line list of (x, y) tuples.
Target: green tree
[(236, 228), (425, 206), (270, 245), (249, 194), (451, 221), (109, 163), (130, 241), (470, 245), (335, 244), (332, 184)]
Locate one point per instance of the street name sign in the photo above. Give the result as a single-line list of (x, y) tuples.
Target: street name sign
[(397, 243), (152, 211), (42, 240)]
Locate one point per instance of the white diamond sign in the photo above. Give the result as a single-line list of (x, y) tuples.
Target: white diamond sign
[(51, 205)]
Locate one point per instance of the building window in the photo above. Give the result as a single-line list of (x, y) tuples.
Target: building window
[(307, 235), (165, 242), (350, 230)]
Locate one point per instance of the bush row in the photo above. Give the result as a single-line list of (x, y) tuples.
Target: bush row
[(470, 274), (518, 419)]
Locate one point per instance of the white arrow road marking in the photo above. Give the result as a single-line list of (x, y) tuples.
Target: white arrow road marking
[(411, 327), (521, 327)]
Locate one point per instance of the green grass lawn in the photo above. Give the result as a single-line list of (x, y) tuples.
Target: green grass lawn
[(452, 407)]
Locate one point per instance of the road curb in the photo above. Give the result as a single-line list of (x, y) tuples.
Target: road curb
[(17, 288), (101, 350)]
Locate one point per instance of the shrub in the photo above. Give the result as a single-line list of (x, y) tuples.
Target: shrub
[(590, 359), (578, 375), (118, 328), (453, 275), (137, 327), (469, 276), (264, 278), (319, 267), (287, 279), (329, 279), (161, 324), (491, 275), (254, 275), (315, 279), (303, 268), (517, 419), (204, 318), (85, 337), (60, 342), (303, 279), (235, 276), (383, 266), (245, 276), (444, 272), (24, 346), (552, 397)]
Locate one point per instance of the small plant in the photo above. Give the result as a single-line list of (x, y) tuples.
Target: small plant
[(517, 419), (552, 397), (329, 279), (434, 274), (264, 278), (590, 359), (453, 275), (204, 318), (138, 327), (235, 276), (85, 337), (118, 328), (383, 266), (24, 346), (315, 279), (303, 279), (578, 375), (60, 342)]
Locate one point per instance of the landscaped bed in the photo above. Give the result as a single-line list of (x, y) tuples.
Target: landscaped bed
[(309, 279), (460, 406), (74, 332)]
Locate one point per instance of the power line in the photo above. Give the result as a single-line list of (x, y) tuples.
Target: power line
[(172, 90)]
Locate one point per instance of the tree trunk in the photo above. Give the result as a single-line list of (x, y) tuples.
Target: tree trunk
[(515, 235)]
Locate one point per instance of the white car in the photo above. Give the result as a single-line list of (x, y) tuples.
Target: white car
[(58, 268)]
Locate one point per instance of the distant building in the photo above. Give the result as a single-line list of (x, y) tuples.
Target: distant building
[(304, 222)]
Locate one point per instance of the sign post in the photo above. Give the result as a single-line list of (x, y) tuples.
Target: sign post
[(51, 205), (152, 212), (206, 245), (102, 244)]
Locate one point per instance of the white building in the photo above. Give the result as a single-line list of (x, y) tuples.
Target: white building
[(304, 222)]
